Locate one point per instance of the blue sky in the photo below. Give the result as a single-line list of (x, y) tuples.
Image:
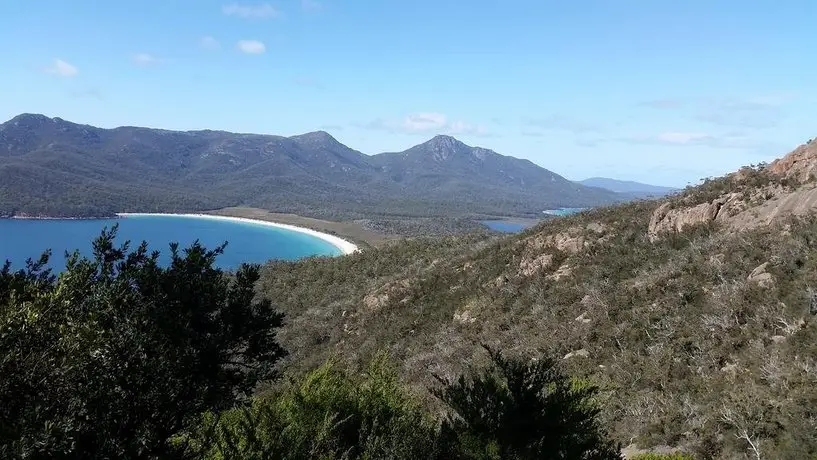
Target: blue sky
[(665, 92)]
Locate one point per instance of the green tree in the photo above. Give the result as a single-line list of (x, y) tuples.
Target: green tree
[(524, 410), (118, 353), (326, 415)]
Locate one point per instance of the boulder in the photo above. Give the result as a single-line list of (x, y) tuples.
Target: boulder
[(762, 277), (582, 353), (531, 266)]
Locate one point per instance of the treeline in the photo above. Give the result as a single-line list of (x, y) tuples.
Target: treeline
[(121, 357)]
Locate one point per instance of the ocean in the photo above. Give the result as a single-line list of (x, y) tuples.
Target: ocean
[(246, 242)]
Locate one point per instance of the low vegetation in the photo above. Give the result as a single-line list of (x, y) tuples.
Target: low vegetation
[(702, 341), (119, 357)]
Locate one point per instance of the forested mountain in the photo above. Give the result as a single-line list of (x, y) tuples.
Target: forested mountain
[(695, 313), (53, 167)]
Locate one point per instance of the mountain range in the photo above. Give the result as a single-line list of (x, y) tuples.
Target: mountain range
[(54, 167), (634, 189)]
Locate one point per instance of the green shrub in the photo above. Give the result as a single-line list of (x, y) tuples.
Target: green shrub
[(325, 415), (118, 354)]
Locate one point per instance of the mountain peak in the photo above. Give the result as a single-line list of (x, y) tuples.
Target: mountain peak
[(316, 138), (443, 141), (31, 119)]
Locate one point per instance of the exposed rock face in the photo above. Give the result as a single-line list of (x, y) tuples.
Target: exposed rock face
[(570, 241), (798, 203), (666, 219), (529, 267), (383, 296), (563, 271), (577, 354), (760, 276), (800, 165)]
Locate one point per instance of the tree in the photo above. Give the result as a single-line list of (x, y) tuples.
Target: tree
[(118, 354), (523, 410)]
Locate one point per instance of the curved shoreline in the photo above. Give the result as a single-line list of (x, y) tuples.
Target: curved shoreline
[(344, 246)]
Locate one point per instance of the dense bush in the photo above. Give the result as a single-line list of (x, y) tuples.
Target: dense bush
[(524, 410), (118, 354), (514, 410)]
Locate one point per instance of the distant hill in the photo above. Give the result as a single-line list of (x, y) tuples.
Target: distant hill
[(628, 187), (54, 167)]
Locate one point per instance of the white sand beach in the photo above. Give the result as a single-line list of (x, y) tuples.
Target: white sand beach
[(344, 246)]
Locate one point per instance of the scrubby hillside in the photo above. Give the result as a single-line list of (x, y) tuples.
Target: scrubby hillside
[(696, 314)]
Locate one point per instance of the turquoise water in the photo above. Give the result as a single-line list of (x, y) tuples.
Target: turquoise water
[(563, 211), (503, 226), (246, 242)]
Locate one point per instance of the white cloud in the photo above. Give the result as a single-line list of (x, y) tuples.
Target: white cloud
[(426, 123), (259, 11), (62, 69), (251, 47), (311, 5), (144, 59), (209, 43)]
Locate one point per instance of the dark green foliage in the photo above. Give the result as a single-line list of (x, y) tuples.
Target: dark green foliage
[(325, 415), (118, 354), (525, 410)]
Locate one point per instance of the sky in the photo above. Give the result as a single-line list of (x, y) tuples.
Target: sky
[(663, 92)]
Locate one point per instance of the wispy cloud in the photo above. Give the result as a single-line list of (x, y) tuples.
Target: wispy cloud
[(246, 11), (311, 5), (662, 104), (756, 112), (744, 112), (62, 69), (251, 47), (145, 59), (562, 123), (209, 43), (695, 139), (426, 123)]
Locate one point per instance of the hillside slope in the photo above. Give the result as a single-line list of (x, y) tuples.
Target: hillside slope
[(54, 167), (695, 313)]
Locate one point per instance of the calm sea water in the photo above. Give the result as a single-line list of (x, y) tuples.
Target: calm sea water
[(563, 211), (503, 226), (246, 242)]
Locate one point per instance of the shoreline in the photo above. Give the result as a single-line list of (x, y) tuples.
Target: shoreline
[(344, 246)]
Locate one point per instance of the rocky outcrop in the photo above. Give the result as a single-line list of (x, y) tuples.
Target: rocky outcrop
[(668, 219), (378, 299), (799, 165), (797, 203), (582, 353), (531, 266), (761, 277)]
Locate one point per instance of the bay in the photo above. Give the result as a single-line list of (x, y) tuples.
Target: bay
[(246, 241), (504, 226)]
